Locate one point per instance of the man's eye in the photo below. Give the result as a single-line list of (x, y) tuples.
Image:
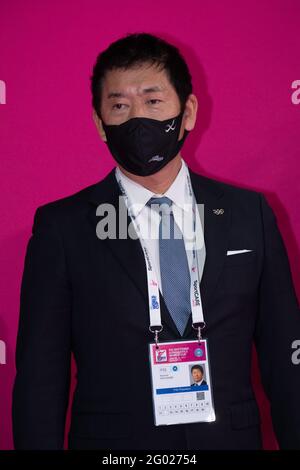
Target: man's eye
[(154, 101), (118, 106)]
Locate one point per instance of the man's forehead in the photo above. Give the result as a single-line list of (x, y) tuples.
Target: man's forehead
[(142, 80)]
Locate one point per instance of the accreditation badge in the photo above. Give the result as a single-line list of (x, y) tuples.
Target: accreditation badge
[(181, 383)]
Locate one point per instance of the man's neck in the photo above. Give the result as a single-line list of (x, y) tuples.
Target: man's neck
[(159, 182)]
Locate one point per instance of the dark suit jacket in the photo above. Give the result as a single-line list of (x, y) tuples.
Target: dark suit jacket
[(89, 296), (202, 383)]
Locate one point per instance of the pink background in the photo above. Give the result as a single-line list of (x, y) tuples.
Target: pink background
[(243, 56)]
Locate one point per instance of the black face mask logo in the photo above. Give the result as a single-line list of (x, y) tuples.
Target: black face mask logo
[(142, 145)]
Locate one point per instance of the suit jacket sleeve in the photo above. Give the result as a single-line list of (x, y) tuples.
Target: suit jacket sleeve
[(41, 387), (277, 327)]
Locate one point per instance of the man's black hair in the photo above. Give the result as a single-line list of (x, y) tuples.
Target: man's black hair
[(137, 49), (197, 366)]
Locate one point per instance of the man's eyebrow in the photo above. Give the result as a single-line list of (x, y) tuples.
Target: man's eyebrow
[(115, 94), (152, 89)]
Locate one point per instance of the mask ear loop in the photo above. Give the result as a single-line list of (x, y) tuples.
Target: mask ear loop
[(181, 141), (185, 132)]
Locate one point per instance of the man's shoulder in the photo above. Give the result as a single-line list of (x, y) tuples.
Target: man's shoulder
[(233, 191), (75, 203)]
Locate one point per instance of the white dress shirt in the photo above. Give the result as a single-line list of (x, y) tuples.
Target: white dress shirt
[(149, 220), (198, 383)]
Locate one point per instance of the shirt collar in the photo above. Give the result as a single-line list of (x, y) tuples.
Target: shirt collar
[(199, 383), (139, 195), (178, 192)]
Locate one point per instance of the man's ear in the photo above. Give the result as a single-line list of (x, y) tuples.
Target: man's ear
[(190, 112), (98, 123)]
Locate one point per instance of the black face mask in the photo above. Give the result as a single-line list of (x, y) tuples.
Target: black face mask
[(142, 145)]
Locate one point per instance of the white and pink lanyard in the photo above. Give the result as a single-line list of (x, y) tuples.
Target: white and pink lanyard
[(152, 282)]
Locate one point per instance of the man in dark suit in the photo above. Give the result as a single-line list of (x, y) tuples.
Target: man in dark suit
[(197, 374), (88, 295)]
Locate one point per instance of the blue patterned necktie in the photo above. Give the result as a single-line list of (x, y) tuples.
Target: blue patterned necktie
[(174, 269)]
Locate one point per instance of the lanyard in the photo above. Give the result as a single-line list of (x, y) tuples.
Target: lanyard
[(152, 282)]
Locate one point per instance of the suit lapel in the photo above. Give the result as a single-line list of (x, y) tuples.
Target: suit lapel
[(129, 252)]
